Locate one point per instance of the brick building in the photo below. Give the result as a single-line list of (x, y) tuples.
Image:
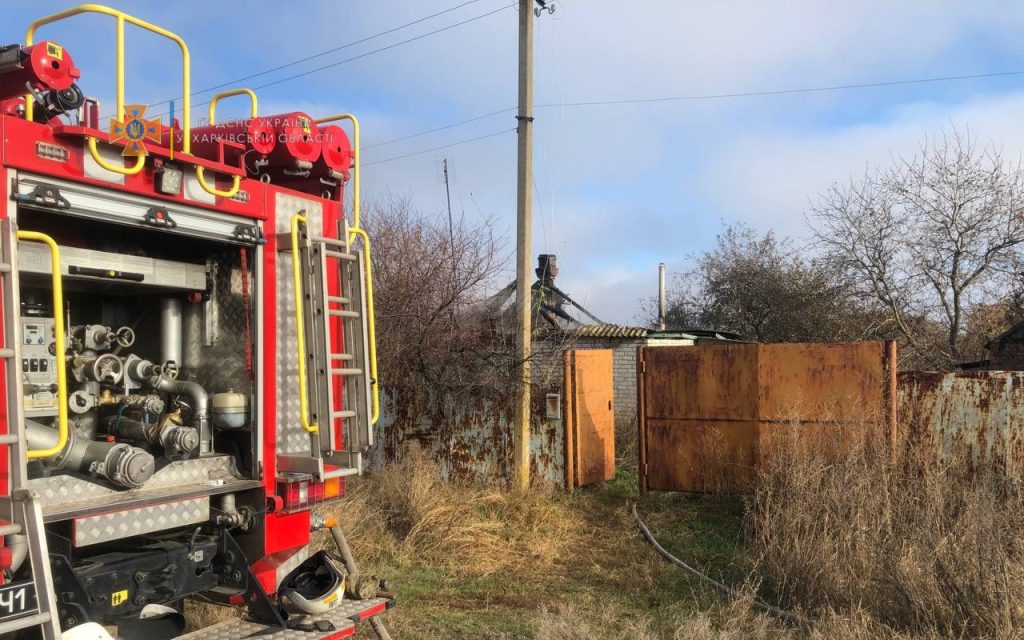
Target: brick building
[(470, 437), (560, 323), (624, 341)]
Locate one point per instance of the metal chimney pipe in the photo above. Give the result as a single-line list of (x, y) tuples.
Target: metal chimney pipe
[(661, 296)]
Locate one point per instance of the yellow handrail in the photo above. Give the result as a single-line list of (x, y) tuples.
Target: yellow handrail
[(233, 92), (140, 161), (355, 162), (121, 18), (58, 330), (213, 118), (300, 337), (214, 190), (371, 322)]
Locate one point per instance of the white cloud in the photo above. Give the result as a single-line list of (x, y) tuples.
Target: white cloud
[(767, 177), (619, 188)]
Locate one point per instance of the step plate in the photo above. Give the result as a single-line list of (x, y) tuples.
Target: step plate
[(344, 618)]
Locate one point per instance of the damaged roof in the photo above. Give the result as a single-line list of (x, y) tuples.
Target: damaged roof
[(555, 313)]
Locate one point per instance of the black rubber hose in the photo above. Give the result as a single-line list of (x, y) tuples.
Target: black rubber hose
[(756, 604)]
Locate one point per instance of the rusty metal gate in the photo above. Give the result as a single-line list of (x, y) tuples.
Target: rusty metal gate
[(589, 417), (707, 412)]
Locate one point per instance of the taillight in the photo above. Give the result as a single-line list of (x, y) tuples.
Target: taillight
[(305, 494)]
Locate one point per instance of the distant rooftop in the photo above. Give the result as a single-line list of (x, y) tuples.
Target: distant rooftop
[(556, 313)]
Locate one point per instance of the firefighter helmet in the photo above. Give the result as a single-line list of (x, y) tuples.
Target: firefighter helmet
[(315, 586)]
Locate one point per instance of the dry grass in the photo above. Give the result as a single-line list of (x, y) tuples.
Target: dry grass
[(731, 621), (407, 514), (867, 545), (919, 545)]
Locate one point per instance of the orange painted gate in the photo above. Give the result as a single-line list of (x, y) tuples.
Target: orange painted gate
[(707, 412), (589, 418)]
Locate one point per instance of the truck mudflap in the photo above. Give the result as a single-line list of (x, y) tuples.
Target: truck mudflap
[(342, 621)]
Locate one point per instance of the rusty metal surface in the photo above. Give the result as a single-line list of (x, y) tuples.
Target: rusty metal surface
[(701, 456), (470, 436), (592, 421), (711, 382), (974, 414), (821, 382), (711, 412)]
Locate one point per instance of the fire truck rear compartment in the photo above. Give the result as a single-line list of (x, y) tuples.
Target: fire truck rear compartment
[(156, 328)]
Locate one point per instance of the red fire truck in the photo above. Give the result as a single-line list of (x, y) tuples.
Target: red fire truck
[(188, 362)]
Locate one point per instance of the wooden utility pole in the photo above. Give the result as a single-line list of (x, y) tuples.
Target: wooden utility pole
[(524, 222)]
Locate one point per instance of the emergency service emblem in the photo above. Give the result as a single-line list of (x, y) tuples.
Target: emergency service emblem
[(134, 130)]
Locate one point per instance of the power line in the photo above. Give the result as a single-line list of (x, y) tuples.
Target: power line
[(779, 92), (353, 58), (375, 51), (335, 49), (714, 96), (445, 146), (436, 129)]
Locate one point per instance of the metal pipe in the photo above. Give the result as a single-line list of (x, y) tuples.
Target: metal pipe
[(120, 463), (309, 425), (661, 296), (890, 397), (177, 440), (200, 408), (371, 325), (170, 330)]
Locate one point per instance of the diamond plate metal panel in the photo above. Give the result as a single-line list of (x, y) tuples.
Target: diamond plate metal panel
[(341, 616), (291, 437), (221, 365), (64, 489), (295, 560), (134, 522)]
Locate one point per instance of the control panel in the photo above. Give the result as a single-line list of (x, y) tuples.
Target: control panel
[(39, 367)]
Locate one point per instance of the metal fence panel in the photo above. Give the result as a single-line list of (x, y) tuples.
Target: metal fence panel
[(708, 412), (974, 415)]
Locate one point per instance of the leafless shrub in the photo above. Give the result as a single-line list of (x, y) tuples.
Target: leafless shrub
[(920, 544), (429, 281)]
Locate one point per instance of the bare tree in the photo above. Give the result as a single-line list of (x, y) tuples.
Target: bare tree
[(763, 288), (427, 277), (928, 237)]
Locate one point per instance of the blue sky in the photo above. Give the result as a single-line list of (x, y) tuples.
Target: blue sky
[(618, 188)]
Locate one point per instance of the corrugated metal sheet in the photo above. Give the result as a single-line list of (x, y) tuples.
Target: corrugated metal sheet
[(609, 331), (979, 414), (708, 413)]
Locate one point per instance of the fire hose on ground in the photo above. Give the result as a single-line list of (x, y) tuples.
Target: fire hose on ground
[(353, 569), (763, 607)]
